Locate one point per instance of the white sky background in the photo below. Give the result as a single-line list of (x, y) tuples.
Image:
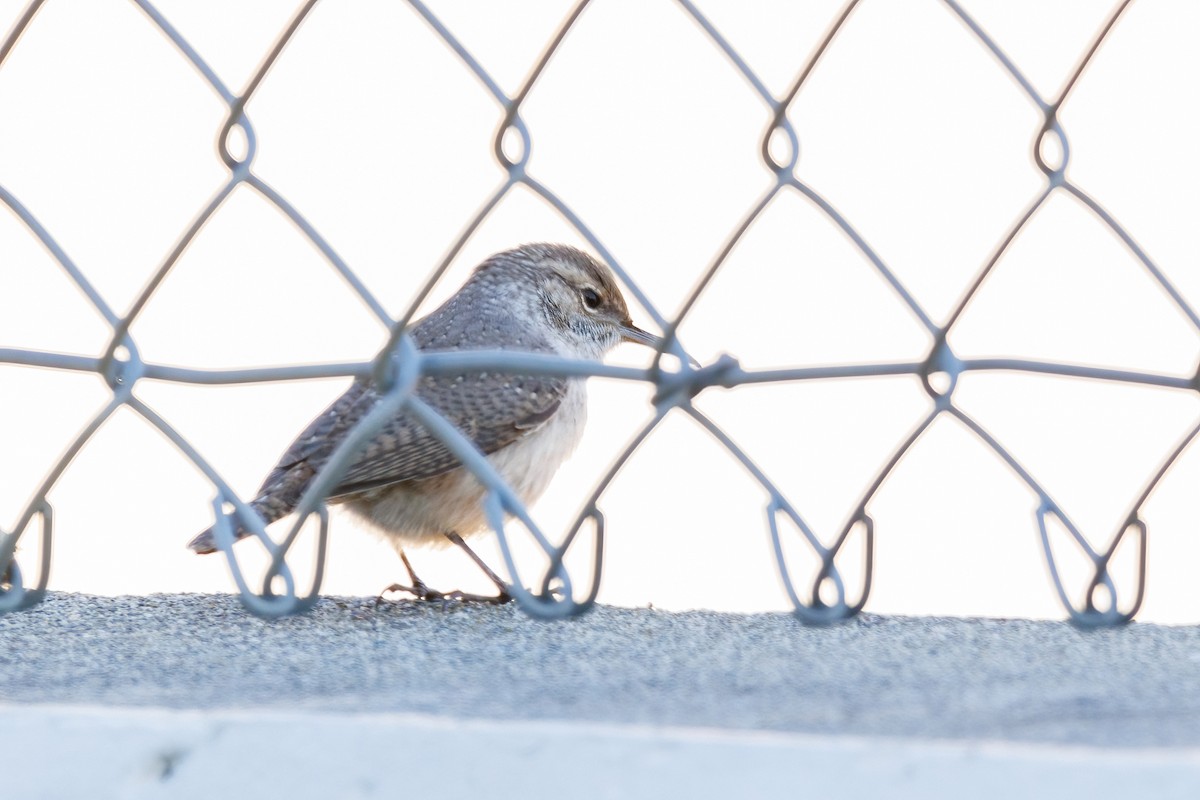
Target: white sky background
[(375, 131)]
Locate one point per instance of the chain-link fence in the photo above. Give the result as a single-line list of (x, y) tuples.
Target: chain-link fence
[(824, 596)]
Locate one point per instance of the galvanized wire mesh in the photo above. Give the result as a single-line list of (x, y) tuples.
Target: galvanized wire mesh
[(396, 368)]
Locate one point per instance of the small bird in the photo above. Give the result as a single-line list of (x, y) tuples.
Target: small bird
[(541, 298)]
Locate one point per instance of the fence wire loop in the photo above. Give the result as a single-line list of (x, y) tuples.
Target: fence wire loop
[(398, 367), (818, 608), (679, 388), (14, 594), (1055, 173), (1089, 613), (555, 600), (551, 582), (268, 602), (939, 374)]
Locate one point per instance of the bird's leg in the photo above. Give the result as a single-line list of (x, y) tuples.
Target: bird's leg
[(418, 588), (503, 596), (421, 591)]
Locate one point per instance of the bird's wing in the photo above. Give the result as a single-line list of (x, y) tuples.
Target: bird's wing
[(490, 409)]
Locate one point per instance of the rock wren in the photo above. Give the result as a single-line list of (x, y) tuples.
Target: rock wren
[(542, 298)]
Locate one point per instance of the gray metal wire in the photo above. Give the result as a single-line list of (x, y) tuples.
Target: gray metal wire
[(398, 366)]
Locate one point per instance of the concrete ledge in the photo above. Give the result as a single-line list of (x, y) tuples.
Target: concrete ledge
[(1014, 680), (54, 751), (357, 701)]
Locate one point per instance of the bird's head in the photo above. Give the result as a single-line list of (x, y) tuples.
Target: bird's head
[(580, 299)]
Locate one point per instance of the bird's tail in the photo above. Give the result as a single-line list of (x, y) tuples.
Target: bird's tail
[(205, 542), (278, 497)]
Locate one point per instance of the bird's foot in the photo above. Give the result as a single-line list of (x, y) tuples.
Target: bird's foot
[(463, 597), (424, 593)]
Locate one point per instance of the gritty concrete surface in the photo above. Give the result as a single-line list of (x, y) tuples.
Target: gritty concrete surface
[(1014, 681)]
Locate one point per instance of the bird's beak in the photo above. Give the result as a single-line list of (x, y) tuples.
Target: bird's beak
[(634, 334)]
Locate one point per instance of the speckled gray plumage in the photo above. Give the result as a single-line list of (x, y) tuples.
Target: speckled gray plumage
[(502, 306)]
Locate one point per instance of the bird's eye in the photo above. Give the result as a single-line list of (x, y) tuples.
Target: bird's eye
[(590, 298)]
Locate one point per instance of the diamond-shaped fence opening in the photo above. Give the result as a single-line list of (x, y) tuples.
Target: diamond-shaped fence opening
[(812, 560)]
